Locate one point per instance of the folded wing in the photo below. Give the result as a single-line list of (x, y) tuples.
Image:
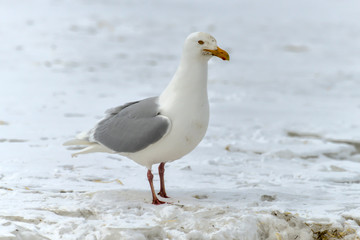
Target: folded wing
[(132, 127)]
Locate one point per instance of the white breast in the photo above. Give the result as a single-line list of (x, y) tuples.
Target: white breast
[(185, 103), (183, 137)]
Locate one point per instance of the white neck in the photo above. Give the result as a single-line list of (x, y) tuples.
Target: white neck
[(189, 81)]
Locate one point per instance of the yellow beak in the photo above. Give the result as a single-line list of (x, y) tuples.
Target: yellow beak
[(219, 53)]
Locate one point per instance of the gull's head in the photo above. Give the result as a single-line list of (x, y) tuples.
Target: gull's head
[(204, 46)]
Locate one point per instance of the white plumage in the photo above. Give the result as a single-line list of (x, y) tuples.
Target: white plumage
[(177, 120)]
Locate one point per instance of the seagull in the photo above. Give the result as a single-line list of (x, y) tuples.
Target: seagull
[(160, 129)]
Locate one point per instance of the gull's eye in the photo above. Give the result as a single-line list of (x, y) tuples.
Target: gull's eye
[(201, 42)]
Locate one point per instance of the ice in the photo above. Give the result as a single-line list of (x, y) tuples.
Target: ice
[(281, 158)]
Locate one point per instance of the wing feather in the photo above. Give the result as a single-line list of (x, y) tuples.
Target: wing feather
[(132, 126)]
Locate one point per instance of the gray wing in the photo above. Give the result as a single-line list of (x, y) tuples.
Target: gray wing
[(132, 127)]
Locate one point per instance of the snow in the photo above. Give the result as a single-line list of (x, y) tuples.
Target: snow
[(281, 158)]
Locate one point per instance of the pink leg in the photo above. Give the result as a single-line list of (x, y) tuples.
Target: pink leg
[(162, 192), (155, 200)]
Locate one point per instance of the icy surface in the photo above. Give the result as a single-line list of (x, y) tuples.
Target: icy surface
[(281, 158)]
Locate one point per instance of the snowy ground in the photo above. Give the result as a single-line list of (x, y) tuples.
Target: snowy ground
[(281, 159)]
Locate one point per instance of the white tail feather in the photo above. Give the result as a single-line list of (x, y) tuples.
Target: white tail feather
[(92, 148), (77, 142)]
